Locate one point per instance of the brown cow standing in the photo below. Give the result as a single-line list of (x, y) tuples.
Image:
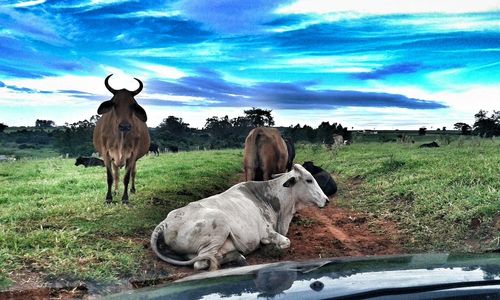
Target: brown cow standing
[(265, 154), (121, 136)]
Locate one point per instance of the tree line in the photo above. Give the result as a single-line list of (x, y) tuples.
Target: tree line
[(217, 133), (483, 126)]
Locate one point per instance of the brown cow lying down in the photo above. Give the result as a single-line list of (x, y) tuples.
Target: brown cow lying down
[(220, 228), (265, 154)]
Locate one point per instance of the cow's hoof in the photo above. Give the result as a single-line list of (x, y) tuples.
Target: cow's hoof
[(241, 261), (132, 190), (285, 243), (126, 203)]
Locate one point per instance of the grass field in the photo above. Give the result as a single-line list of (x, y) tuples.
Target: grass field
[(53, 220)]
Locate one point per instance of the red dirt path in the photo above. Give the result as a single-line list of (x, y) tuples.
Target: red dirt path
[(335, 232)]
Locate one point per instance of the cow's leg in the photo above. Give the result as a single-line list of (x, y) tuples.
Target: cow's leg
[(116, 177), (249, 174), (266, 169), (228, 253), (277, 239), (109, 175), (134, 171), (130, 165), (216, 248)]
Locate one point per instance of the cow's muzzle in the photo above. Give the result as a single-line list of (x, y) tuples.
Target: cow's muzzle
[(125, 126), (327, 200)]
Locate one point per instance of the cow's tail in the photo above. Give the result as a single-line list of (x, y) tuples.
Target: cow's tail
[(157, 237), (259, 175)]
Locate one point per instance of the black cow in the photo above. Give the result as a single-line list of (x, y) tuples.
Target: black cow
[(89, 161), (291, 153), (323, 178), (154, 148), (429, 145)]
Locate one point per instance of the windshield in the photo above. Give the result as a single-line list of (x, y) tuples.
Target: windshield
[(142, 142)]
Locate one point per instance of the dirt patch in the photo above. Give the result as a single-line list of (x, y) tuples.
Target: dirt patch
[(335, 232)]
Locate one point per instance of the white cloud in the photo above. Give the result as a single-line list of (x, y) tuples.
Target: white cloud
[(382, 7), (29, 3), (175, 98), (89, 84), (160, 71), (167, 13)]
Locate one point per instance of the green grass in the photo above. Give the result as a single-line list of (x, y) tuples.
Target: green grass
[(443, 199), (53, 220)]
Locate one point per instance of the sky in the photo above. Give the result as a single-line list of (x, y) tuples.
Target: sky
[(365, 64)]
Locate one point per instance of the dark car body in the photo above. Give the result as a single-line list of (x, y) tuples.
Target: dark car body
[(427, 276)]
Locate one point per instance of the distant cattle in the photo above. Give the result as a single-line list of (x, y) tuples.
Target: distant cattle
[(153, 147), (291, 153), (429, 145), (323, 178), (265, 154), (338, 140), (4, 158), (121, 136), (89, 161), (220, 228)]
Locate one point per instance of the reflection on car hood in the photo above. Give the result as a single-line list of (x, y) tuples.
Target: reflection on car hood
[(335, 278)]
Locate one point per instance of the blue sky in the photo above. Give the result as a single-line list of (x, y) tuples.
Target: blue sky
[(366, 64)]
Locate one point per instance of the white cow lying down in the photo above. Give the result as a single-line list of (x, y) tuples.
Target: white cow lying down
[(217, 229)]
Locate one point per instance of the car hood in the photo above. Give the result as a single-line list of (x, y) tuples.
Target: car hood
[(335, 278)]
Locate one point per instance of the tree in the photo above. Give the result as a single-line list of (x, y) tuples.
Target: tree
[(241, 122), (465, 128), (219, 127), (76, 138), (422, 131), (3, 127), (487, 127), (44, 123), (259, 117), (173, 131), (325, 132)]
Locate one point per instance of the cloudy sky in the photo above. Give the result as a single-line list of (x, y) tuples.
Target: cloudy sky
[(366, 64)]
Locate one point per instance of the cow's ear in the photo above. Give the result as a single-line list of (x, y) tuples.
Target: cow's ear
[(140, 112), (105, 107), (290, 182)]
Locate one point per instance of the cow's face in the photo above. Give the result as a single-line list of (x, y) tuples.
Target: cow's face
[(79, 161), (306, 191), (124, 106)]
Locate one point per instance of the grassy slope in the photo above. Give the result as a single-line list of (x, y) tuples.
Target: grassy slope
[(53, 220), (445, 198)]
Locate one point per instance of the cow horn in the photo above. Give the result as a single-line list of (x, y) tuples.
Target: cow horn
[(113, 91), (139, 89)]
